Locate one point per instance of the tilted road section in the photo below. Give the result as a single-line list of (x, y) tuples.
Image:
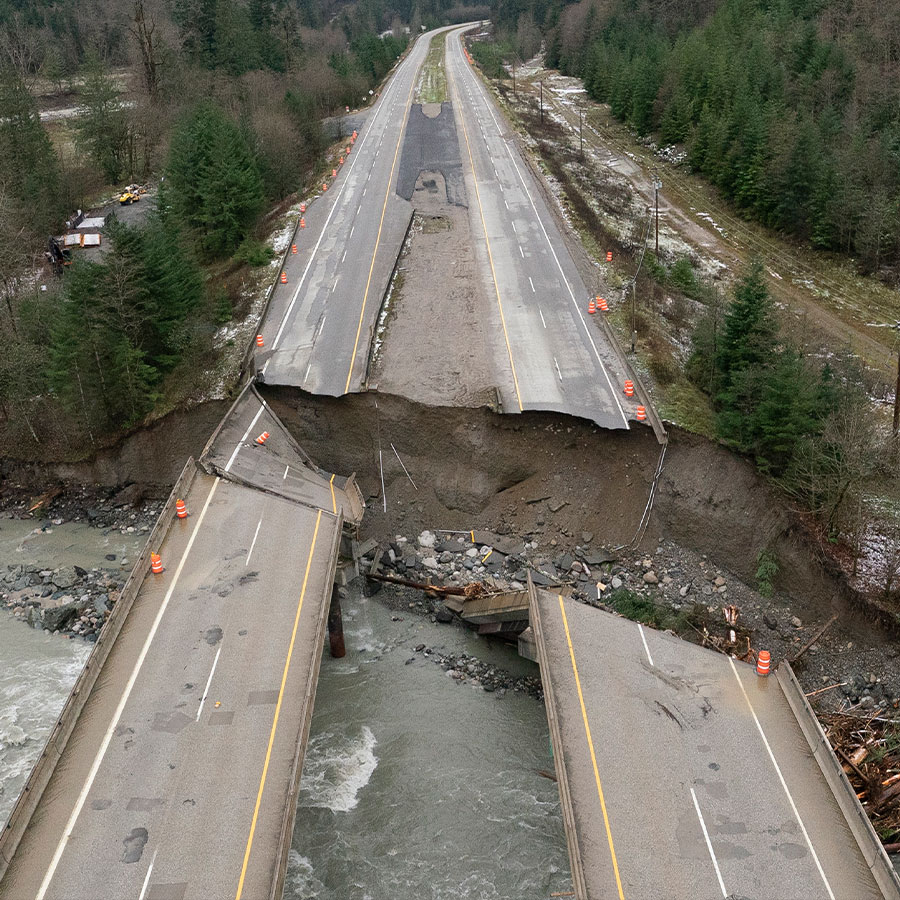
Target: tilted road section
[(319, 327), (557, 358), (683, 774), (179, 780)]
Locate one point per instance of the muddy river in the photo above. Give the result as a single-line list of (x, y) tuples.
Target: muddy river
[(414, 786)]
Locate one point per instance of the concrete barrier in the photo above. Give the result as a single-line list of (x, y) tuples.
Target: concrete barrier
[(559, 762), (43, 769), (870, 846), (290, 809)]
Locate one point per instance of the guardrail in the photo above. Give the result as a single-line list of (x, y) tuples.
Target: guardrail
[(870, 846), (40, 776), (559, 761), (312, 680)]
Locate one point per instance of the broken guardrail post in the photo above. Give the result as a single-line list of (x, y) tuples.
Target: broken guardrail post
[(336, 625)]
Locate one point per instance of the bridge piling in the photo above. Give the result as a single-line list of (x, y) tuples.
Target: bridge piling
[(336, 625)]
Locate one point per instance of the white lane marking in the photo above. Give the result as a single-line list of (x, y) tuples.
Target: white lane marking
[(336, 280), (532, 284), (521, 251), (364, 192), (709, 847), (266, 365), (555, 363), (505, 203), (542, 317), (644, 639), (146, 883), (344, 256), (514, 226), (117, 715), (337, 203), (256, 533), (483, 94), (351, 232), (244, 438), (787, 792), (358, 208), (307, 371), (212, 672), (286, 470)]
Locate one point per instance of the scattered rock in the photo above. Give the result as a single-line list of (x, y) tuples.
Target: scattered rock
[(650, 577)]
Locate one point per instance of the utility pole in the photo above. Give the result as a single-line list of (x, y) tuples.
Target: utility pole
[(514, 79), (581, 133), (896, 327), (542, 102), (633, 313)]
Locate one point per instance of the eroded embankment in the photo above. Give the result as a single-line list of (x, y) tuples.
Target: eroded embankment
[(536, 473)]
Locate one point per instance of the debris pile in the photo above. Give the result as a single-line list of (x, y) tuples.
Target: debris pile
[(869, 749)]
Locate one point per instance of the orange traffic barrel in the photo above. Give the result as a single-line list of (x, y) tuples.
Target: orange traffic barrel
[(609, 255), (180, 509), (641, 414), (347, 151), (262, 438), (324, 186), (156, 564), (602, 305), (259, 341), (284, 277), (354, 136), (629, 388), (302, 207), (763, 662), (302, 222), (341, 160), (334, 173), (293, 248), (591, 308)]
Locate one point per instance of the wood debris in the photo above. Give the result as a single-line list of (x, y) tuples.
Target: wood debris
[(869, 748)]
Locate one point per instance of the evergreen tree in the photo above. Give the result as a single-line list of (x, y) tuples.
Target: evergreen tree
[(102, 128), (28, 164), (213, 185)]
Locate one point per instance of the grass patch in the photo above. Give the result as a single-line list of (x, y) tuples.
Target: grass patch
[(432, 86), (642, 609), (687, 406)]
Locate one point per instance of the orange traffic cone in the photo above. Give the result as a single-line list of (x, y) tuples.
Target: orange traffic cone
[(180, 509), (641, 414), (629, 388), (591, 308), (259, 341), (602, 305), (156, 564), (284, 277), (262, 438), (302, 222), (763, 662)]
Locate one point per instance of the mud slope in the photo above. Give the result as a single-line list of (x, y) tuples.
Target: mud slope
[(548, 475)]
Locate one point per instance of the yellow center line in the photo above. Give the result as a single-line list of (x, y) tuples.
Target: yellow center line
[(387, 195), (333, 501), (487, 240), (587, 731), (284, 675)]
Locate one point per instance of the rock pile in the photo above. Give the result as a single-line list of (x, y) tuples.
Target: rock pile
[(69, 599)]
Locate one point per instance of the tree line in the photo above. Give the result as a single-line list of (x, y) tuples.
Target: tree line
[(790, 107)]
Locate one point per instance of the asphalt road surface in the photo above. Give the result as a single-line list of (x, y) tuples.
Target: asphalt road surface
[(319, 327), (688, 775), (556, 357), (175, 784)]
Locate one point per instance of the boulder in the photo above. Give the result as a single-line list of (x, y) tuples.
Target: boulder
[(650, 577), (65, 577), (442, 614), (59, 617)]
